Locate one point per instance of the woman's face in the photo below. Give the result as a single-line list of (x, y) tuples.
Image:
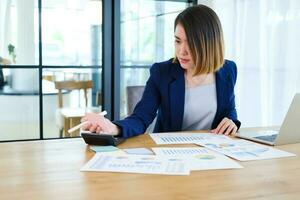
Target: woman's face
[(182, 49)]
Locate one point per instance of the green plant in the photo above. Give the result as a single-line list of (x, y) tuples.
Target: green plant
[(11, 52)]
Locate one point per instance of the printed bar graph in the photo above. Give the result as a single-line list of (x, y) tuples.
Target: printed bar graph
[(184, 138)]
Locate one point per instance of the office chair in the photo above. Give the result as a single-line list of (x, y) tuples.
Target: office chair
[(134, 95)]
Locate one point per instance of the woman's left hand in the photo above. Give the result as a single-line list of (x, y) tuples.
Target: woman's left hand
[(226, 127)]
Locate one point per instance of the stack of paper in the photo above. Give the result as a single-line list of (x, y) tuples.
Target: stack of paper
[(185, 138), (244, 150), (148, 164), (178, 160), (199, 158)]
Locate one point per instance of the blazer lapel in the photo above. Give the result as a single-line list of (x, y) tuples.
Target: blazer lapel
[(222, 88), (177, 96)]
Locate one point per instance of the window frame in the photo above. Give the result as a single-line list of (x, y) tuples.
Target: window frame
[(110, 65)]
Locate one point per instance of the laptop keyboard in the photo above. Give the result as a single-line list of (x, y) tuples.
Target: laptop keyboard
[(269, 138)]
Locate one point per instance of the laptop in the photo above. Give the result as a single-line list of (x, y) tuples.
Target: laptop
[(288, 133)]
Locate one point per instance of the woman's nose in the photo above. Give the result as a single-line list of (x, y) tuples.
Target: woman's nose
[(183, 50)]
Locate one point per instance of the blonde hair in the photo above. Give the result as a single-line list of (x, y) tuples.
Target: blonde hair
[(204, 36)]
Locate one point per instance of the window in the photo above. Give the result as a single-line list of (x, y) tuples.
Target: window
[(42, 42), (62, 40), (146, 37)]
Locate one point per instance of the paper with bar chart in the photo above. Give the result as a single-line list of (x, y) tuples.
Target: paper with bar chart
[(148, 164), (185, 138), (199, 158), (244, 150)]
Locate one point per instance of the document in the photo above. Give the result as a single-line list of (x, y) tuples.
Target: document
[(138, 151), (147, 164), (245, 150), (185, 138), (199, 158)]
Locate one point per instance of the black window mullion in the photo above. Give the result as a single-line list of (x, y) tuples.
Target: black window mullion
[(107, 56), (40, 71), (116, 43)]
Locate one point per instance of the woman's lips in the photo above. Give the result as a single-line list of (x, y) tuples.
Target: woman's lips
[(183, 61)]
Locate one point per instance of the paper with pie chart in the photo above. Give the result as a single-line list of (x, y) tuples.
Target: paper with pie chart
[(146, 164), (244, 150), (198, 158)]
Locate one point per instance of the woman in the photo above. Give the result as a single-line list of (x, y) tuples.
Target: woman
[(193, 91)]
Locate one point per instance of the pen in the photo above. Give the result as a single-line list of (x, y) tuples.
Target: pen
[(83, 123)]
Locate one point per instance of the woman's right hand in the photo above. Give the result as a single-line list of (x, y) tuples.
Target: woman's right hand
[(99, 124)]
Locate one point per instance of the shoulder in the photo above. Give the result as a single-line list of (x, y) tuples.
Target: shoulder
[(229, 68), (165, 69), (228, 72), (165, 66)]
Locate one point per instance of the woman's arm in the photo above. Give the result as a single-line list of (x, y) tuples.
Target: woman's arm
[(230, 123), (142, 116), (145, 110)]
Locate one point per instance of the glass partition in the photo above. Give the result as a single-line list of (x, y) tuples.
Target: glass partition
[(146, 37), (19, 32), (19, 97), (72, 32), (69, 84), (71, 43)]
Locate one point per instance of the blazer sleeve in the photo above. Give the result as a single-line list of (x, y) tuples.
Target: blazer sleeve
[(145, 110), (232, 113)]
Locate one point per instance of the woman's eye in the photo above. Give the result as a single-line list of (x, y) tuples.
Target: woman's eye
[(177, 41)]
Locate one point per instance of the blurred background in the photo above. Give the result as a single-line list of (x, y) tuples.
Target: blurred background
[(62, 58)]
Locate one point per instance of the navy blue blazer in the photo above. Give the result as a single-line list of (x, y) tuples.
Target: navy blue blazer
[(164, 96)]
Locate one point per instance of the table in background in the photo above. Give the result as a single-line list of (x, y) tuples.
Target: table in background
[(50, 170)]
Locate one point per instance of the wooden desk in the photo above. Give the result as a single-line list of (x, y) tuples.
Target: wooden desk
[(50, 170)]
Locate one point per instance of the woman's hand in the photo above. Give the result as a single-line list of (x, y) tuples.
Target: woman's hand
[(226, 127), (99, 124)]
